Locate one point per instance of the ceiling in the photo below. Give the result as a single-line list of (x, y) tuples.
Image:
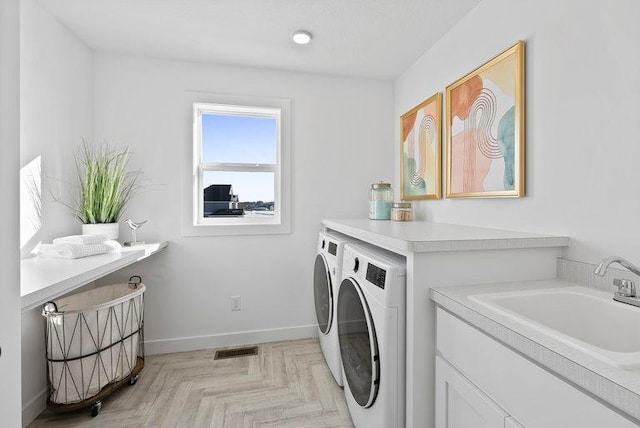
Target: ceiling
[(364, 38)]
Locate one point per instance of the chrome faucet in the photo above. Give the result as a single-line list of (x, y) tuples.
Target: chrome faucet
[(626, 288), (601, 270)]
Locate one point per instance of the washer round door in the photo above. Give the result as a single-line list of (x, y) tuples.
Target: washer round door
[(358, 343), (323, 294)]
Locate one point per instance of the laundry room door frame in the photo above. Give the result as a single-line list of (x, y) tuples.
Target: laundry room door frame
[(10, 307)]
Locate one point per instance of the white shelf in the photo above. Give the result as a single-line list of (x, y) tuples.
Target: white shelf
[(43, 279), (425, 237)]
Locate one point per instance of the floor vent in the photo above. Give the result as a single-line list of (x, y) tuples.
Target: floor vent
[(237, 352)]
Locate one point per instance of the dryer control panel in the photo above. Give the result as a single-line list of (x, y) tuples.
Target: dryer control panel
[(376, 275)]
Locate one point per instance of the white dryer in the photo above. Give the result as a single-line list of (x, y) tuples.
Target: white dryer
[(326, 280), (371, 335)]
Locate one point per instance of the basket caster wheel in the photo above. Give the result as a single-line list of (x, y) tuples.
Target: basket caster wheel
[(133, 379), (95, 409)]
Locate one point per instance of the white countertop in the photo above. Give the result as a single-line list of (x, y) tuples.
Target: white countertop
[(43, 279), (616, 386), (422, 236)]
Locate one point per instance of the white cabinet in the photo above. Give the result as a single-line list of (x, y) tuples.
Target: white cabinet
[(460, 404), (473, 367)]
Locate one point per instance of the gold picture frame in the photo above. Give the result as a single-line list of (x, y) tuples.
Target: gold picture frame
[(421, 151), (485, 125)]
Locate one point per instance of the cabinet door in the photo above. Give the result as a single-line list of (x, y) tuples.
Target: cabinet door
[(460, 404)]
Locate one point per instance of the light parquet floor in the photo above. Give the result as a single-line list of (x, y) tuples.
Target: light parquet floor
[(288, 384)]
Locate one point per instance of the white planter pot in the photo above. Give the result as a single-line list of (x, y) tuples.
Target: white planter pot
[(112, 230)]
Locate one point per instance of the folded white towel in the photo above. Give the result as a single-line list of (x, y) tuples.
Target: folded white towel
[(81, 239), (115, 245), (76, 251)]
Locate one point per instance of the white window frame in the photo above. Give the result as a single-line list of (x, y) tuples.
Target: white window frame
[(279, 223)]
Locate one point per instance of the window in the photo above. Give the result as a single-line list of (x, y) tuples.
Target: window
[(240, 181)]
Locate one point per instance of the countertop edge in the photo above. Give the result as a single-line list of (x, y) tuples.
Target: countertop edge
[(129, 255), (491, 244), (399, 244), (383, 241), (552, 361)]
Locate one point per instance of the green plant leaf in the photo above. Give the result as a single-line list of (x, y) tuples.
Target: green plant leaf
[(106, 185)]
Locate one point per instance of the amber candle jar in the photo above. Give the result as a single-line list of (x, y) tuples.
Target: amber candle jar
[(402, 211)]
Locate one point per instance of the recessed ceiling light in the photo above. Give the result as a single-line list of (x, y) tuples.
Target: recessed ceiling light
[(302, 37)]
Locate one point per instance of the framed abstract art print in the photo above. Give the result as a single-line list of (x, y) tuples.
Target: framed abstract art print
[(421, 150), (485, 129)]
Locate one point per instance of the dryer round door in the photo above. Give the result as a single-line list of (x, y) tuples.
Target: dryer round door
[(323, 294), (358, 343)]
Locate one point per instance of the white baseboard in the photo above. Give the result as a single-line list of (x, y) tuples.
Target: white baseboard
[(193, 343), (34, 407)]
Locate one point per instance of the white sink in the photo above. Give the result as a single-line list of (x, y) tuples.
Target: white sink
[(583, 318)]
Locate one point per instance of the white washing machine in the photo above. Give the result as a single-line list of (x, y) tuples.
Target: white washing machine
[(326, 280), (371, 335)]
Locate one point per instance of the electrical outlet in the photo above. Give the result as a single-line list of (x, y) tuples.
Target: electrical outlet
[(236, 303)]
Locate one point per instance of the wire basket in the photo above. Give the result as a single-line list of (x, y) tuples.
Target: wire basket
[(94, 343)]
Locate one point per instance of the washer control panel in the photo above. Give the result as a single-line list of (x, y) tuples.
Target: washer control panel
[(333, 248)]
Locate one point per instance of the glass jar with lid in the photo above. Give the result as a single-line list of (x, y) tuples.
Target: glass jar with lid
[(402, 211), (380, 200)]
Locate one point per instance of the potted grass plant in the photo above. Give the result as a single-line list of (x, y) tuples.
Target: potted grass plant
[(106, 187)]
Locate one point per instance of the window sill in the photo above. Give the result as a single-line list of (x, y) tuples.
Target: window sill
[(229, 227)]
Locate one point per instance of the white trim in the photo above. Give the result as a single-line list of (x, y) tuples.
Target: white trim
[(280, 223), (237, 110), (258, 167), (193, 343), (34, 407)]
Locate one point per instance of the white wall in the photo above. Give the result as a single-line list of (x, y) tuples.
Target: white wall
[(9, 256), (56, 94), (342, 140), (582, 118), (56, 112)]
